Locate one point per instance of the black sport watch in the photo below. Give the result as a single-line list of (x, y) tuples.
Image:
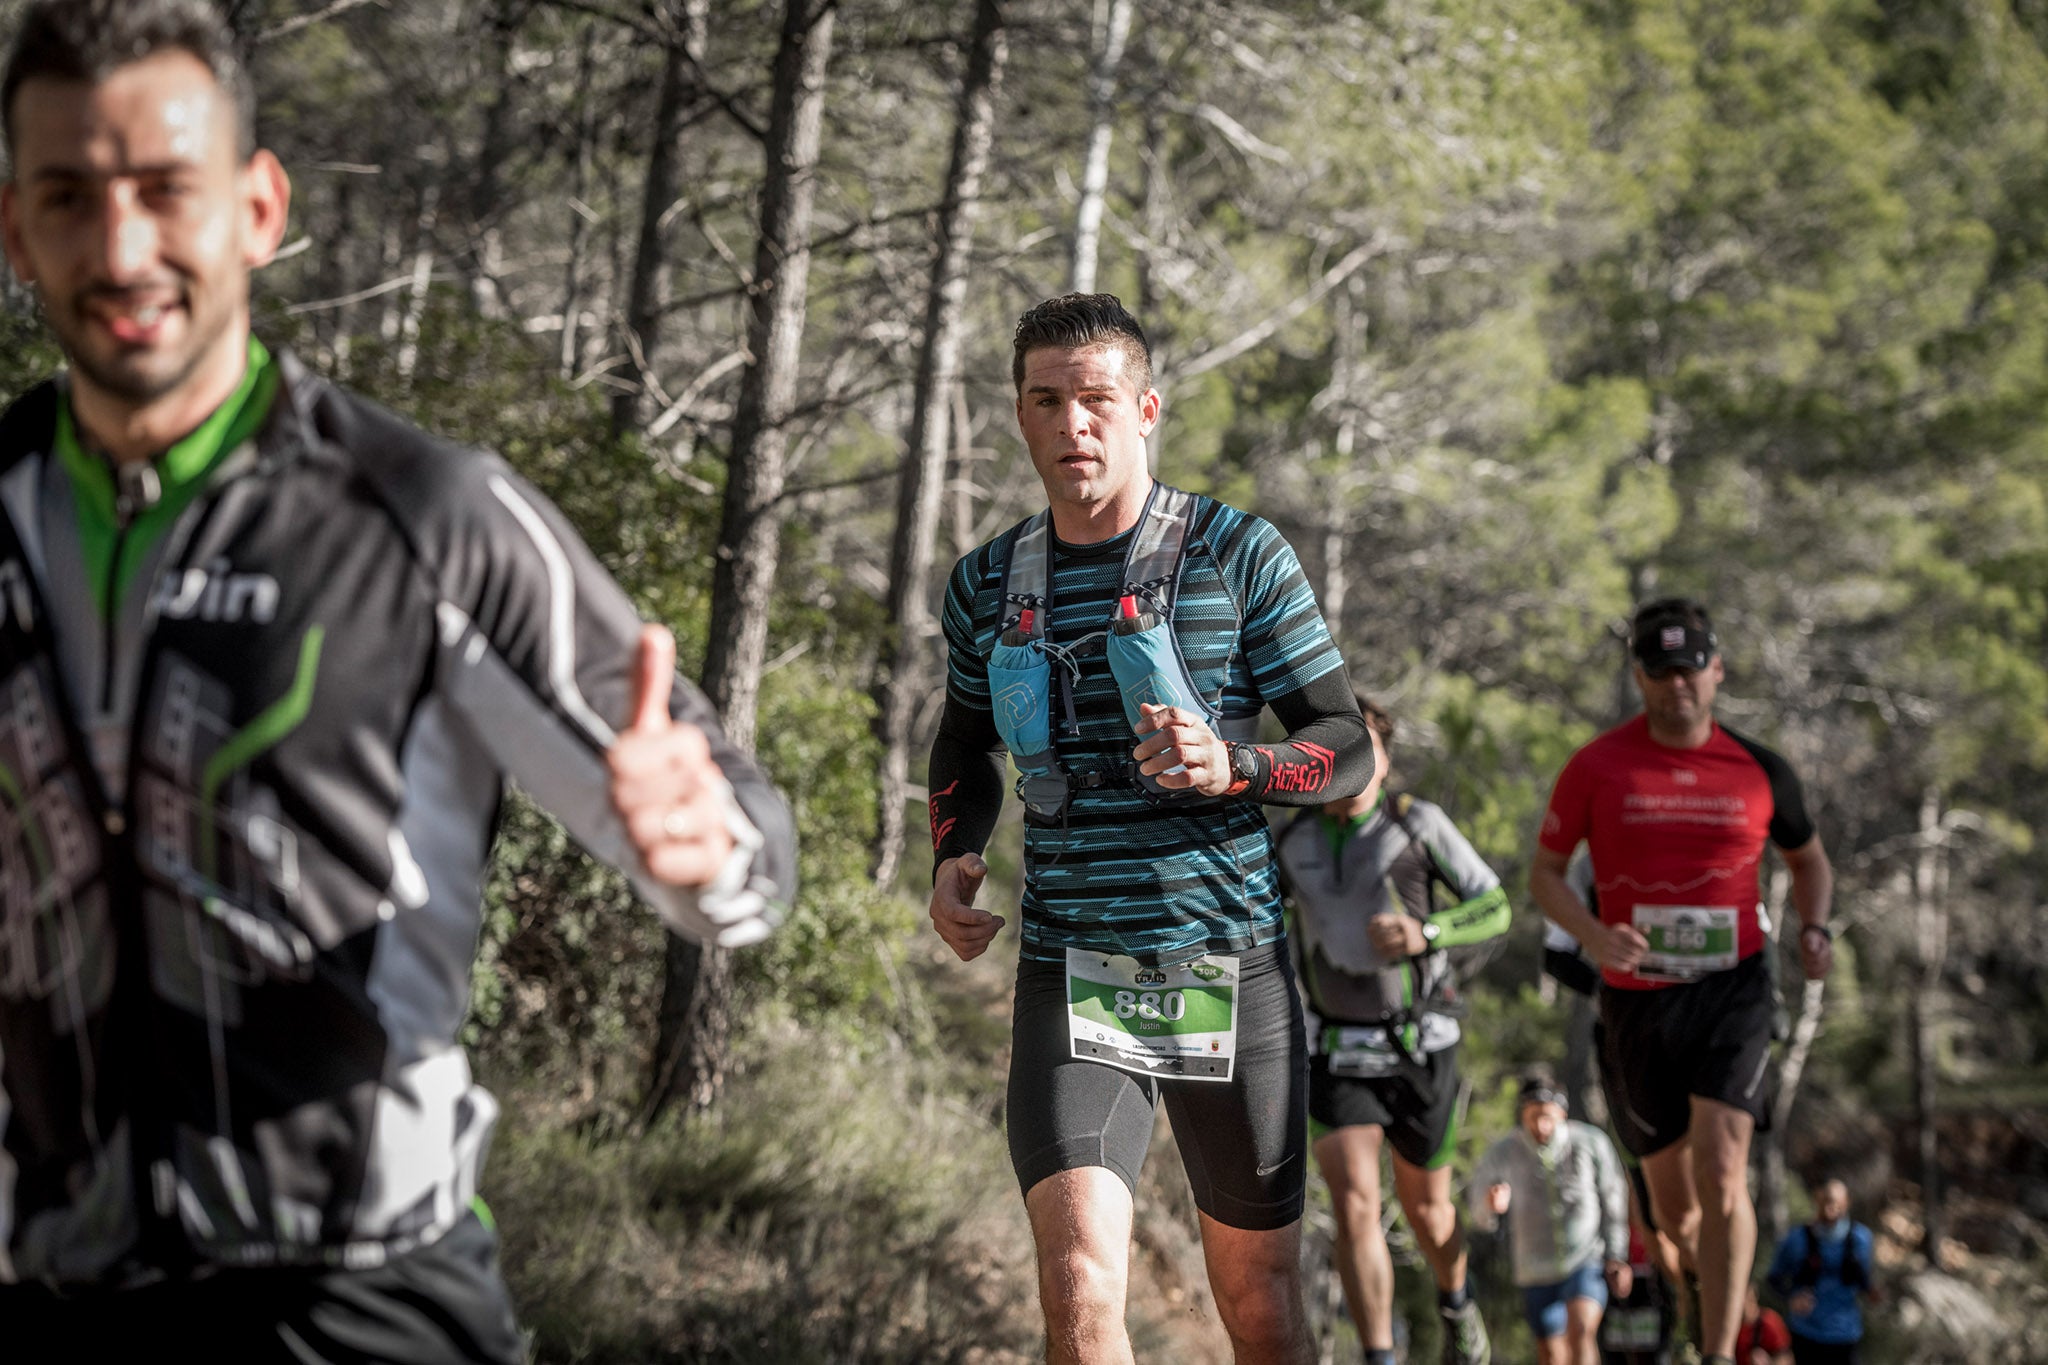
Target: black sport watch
[(1244, 765)]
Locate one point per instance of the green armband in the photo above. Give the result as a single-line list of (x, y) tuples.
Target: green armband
[(1473, 921)]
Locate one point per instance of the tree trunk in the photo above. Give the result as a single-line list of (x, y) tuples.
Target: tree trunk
[(961, 474), (391, 256), (1930, 932), (1776, 1213), (611, 285), (579, 211), (501, 21), (644, 297), (1773, 1209), (241, 22), (334, 279), (1154, 215), (904, 669), (1115, 29), (697, 992), (1337, 531), (422, 281), (1346, 345)]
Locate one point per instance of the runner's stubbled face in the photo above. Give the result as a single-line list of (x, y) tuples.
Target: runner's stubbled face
[(1682, 700), (1085, 424), (1541, 1121), (134, 216)]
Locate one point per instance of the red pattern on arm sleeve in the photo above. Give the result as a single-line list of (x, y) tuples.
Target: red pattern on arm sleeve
[(942, 824), (1308, 775)]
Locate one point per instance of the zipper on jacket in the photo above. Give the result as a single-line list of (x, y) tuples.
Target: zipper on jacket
[(137, 488)]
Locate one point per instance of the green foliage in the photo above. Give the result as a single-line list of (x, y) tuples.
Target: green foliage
[(1489, 762), (480, 383), (569, 966), (26, 354), (841, 952)]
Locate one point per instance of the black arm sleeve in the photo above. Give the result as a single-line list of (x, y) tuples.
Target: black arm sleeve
[(968, 771), (1327, 754)]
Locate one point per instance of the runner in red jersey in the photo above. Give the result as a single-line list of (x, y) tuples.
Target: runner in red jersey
[(1677, 843), (1676, 810)]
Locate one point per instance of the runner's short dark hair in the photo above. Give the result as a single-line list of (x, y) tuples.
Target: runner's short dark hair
[(88, 40), (1073, 321), (1377, 716), (1538, 1082)]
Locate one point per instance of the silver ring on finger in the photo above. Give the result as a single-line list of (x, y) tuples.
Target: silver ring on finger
[(676, 824)]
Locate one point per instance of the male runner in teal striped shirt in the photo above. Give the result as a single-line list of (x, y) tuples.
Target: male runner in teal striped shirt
[(1149, 920)]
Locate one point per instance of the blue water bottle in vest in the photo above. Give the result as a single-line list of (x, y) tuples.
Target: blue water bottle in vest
[(1145, 659), (1019, 689)]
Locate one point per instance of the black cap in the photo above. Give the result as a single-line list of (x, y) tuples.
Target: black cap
[(1539, 1087), (1664, 643)]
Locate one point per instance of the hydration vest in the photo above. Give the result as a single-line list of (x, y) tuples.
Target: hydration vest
[(1144, 656), (1813, 1268)]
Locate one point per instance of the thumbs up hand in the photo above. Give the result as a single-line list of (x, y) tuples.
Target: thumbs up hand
[(664, 783), (967, 931)]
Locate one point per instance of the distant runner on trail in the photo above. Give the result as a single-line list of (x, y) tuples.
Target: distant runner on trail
[(1120, 646), (1825, 1269), (1676, 810), (1560, 1184), (269, 656), (1363, 877)]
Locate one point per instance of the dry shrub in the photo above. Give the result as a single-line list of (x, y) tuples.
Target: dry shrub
[(832, 1209)]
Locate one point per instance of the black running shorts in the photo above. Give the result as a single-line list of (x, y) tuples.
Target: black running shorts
[(1659, 1048), (1416, 1105), (1244, 1142), (443, 1304)]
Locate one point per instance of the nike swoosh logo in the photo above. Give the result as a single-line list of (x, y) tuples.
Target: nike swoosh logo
[(1268, 1170)]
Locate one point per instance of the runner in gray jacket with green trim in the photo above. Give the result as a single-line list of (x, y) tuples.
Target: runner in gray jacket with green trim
[(1569, 1225), (1370, 927)]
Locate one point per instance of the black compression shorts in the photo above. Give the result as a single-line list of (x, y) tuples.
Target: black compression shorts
[(443, 1304), (1243, 1142), (1658, 1048), (1417, 1106)]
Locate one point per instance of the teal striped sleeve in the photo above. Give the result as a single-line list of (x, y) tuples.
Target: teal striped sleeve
[(1285, 640), (970, 596)]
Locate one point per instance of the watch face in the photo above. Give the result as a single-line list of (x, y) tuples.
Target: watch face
[(1244, 761)]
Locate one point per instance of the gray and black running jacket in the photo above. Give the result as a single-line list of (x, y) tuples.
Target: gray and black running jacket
[(236, 943)]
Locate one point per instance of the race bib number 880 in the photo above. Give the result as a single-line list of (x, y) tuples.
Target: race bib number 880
[(1178, 1022)]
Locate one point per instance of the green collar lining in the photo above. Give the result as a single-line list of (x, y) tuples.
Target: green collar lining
[(1340, 828), (182, 469)]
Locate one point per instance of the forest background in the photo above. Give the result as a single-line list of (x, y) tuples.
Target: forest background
[(1510, 313)]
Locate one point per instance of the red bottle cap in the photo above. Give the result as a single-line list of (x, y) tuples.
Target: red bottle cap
[(1127, 606), (1024, 621)]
